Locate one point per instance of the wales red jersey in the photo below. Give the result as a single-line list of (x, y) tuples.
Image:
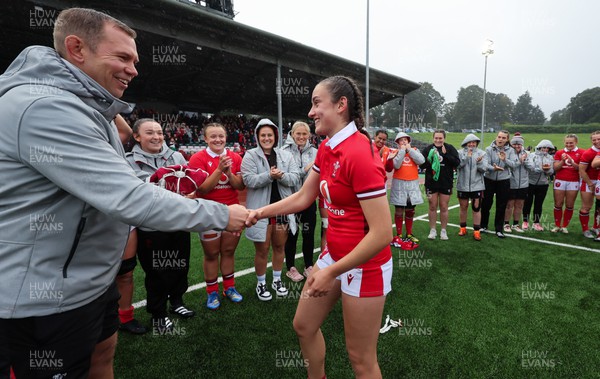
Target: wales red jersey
[(223, 192), (348, 173), (586, 159), (568, 173)]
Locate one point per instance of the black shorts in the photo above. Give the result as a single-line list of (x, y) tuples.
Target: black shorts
[(60, 343), (470, 195), (441, 191), (518, 194)]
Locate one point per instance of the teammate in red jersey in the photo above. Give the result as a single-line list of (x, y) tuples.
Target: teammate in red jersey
[(222, 186), (356, 264), (566, 182), (589, 176)]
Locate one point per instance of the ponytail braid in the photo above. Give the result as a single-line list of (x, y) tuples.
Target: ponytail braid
[(344, 86)]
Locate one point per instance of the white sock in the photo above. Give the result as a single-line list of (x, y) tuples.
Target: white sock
[(276, 276), (262, 279)]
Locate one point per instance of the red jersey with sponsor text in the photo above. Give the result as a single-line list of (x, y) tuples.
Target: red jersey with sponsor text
[(223, 192), (568, 173), (349, 173)]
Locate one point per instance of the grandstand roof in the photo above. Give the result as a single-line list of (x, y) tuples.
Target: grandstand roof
[(198, 60)]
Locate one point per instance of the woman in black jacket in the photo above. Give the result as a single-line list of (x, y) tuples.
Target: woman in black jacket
[(441, 159)]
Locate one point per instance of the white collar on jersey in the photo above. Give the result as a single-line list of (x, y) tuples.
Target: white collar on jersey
[(341, 136), (212, 154)]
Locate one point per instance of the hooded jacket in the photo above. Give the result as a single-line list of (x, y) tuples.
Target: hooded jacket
[(145, 164), (67, 194), (519, 175), (538, 176), (471, 169), (509, 163), (255, 173), (303, 156)]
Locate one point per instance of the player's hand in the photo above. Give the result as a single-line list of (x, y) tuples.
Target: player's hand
[(443, 149), (319, 283), (224, 163), (253, 216), (502, 155), (393, 154), (497, 168), (238, 214)]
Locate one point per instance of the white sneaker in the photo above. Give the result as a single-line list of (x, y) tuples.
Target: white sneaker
[(556, 229), (564, 230), (432, 234), (443, 235), (262, 293), (517, 228), (507, 228), (589, 234), (279, 288)]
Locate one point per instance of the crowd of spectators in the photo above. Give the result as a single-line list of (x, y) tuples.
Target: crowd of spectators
[(185, 129)]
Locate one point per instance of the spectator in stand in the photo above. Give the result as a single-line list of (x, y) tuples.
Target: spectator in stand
[(566, 184), (469, 183), (589, 176), (501, 159), (270, 175), (441, 159), (542, 163), (222, 185), (519, 186), (298, 145), (405, 193), (357, 264)]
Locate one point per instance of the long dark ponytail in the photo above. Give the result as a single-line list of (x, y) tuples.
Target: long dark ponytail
[(339, 86)]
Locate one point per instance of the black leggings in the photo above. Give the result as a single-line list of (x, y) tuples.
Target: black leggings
[(535, 196), (501, 189), (165, 258), (307, 222)]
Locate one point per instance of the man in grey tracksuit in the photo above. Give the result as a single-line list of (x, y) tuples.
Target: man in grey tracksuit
[(68, 196)]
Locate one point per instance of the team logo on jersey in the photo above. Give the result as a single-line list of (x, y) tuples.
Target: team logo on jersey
[(324, 191), (336, 166), (350, 277), (225, 180), (557, 184), (406, 159), (209, 164)]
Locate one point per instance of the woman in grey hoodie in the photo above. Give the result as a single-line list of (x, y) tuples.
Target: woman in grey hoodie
[(501, 159), (270, 175), (298, 144), (542, 163), (469, 183), (519, 183)]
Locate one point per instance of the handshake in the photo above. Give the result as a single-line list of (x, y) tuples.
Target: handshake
[(240, 217)]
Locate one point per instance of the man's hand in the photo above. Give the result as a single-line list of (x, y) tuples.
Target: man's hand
[(237, 218)]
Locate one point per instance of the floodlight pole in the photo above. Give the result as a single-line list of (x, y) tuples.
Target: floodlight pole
[(486, 52), (367, 110), (279, 107)]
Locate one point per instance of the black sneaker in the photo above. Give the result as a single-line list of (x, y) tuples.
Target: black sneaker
[(162, 325), (500, 235), (182, 311), (133, 327)]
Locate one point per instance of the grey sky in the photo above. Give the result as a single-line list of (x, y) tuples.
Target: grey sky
[(548, 47)]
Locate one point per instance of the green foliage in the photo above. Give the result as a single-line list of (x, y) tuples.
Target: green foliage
[(563, 129), (585, 106), (525, 113)]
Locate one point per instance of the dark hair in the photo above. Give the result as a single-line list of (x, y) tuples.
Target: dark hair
[(136, 126), (379, 131), (88, 24), (442, 131), (343, 86)]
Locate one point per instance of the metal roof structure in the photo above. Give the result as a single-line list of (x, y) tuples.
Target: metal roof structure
[(198, 60)]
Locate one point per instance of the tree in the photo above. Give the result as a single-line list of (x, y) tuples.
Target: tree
[(559, 117), (468, 105), (425, 103), (499, 108), (585, 106), (525, 113), (449, 114)]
